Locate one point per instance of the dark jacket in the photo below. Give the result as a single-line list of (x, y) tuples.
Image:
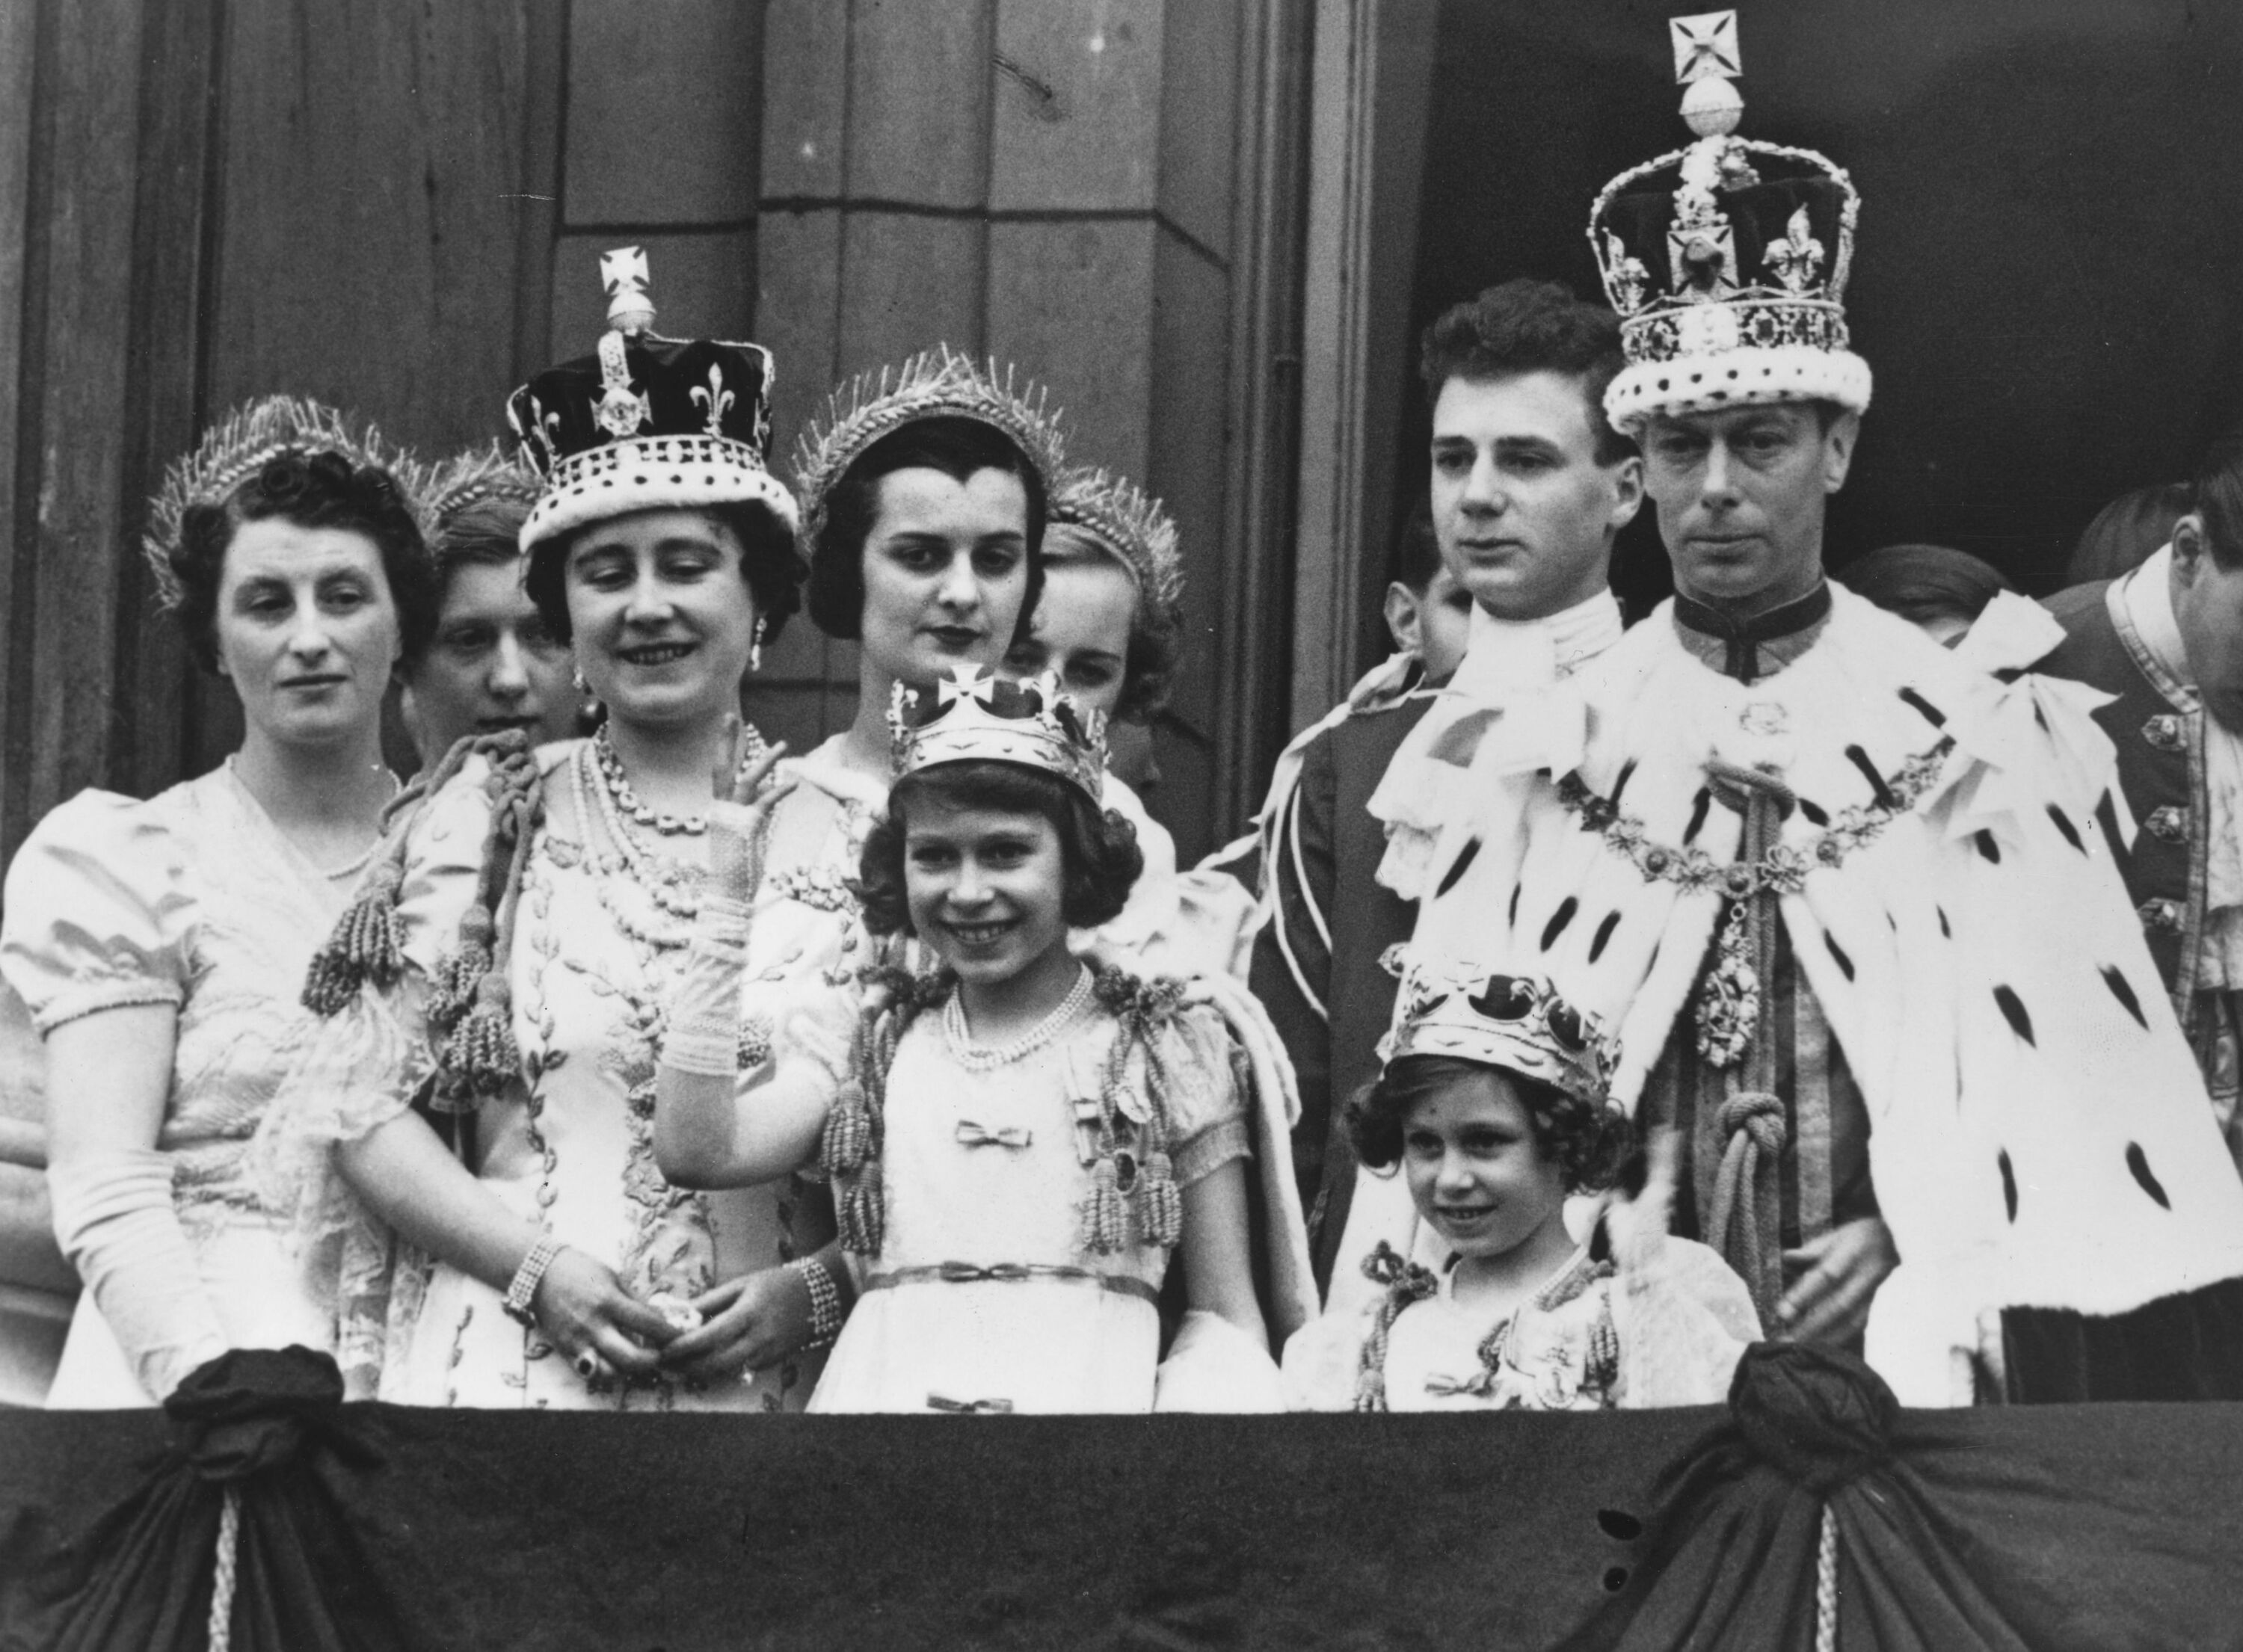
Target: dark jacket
[(1339, 846), (2158, 726)]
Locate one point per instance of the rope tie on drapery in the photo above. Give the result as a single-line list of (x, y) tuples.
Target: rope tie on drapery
[(1826, 1584), (224, 1565)]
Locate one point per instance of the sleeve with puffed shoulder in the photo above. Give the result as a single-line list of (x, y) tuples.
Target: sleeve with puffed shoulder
[(99, 918), (1203, 1094), (100, 912)]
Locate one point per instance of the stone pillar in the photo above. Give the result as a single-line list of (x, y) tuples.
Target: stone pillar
[(1051, 182)]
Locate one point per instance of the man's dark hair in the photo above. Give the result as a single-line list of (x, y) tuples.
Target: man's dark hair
[(1523, 326), (1592, 1145), (2217, 498), (1098, 847), (2128, 531), (955, 446), (1417, 552)]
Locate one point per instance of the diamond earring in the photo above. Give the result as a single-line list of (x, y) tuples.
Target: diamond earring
[(756, 648)]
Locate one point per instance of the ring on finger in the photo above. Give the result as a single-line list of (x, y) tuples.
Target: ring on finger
[(587, 1365)]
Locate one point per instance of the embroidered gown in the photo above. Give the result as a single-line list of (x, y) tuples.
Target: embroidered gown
[(601, 936), (196, 900), (984, 1296)]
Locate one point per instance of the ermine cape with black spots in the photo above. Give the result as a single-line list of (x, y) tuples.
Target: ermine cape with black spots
[(2040, 1135)]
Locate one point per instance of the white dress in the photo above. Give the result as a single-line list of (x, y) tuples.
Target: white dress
[(984, 1296), (196, 900), (1665, 1328)]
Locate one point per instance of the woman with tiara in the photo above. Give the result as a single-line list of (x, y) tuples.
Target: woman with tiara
[(503, 981), (1109, 624), (161, 944)]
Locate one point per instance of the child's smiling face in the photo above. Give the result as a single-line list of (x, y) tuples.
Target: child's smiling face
[(985, 887), (1476, 1169)]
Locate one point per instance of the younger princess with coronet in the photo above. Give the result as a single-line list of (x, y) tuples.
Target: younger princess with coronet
[(1019, 1139), (1494, 1103)]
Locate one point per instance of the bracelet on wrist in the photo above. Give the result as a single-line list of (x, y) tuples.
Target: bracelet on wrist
[(824, 1300), (522, 1289)]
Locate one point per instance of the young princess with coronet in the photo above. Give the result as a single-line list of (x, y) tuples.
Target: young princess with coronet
[(1019, 1141), (1494, 1103)]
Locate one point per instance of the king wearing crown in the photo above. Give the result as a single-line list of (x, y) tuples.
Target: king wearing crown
[(1845, 897)]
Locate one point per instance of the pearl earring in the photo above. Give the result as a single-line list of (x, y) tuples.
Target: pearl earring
[(756, 648), (576, 676)]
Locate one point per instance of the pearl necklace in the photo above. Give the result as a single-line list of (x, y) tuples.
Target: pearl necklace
[(618, 785), (988, 1057), (673, 887)]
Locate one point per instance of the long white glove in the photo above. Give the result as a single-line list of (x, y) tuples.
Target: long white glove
[(115, 1221)]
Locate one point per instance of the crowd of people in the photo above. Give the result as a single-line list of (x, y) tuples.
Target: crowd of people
[(1852, 961)]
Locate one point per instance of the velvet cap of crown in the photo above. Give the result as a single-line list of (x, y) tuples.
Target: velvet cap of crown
[(1726, 261), (974, 716), (1448, 1008), (645, 422)]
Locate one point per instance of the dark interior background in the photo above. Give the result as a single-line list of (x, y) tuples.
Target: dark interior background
[(2048, 277)]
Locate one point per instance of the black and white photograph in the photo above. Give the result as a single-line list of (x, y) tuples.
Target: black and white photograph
[(825, 823)]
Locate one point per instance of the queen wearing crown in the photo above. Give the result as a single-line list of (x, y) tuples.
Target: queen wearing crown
[(495, 1000)]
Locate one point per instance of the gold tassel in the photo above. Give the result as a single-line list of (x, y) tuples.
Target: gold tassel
[(368, 944), (481, 1056), (452, 992), (1106, 1220), (863, 1216), (1159, 1203), (848, 1136)]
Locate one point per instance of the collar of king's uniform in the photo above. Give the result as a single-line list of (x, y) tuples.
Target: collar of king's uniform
[(1760, 647)]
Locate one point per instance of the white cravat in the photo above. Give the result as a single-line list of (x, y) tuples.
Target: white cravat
[(2148, 597), (1503, 659)]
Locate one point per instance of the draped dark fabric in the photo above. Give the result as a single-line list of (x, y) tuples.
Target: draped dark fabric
[(2043, 1526), (1955, 1528), (268, 1423)]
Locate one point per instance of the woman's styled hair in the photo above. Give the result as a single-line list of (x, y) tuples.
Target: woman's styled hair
[(769, 563), (1922, 583), (957, 447), (1098, 848), (311, 490), (1592, 1145), (1156, 627)]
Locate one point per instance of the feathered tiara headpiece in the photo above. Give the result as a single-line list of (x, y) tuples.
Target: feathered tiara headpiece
[(442, 490), (935, 384), (236, 448), (976, 717), (1130, 523)]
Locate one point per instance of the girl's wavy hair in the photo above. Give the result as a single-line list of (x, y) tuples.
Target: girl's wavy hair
[(1097, 848), (1593, 1145)]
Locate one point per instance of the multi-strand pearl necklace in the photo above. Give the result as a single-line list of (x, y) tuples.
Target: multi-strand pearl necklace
[(672, 887), (618, 787), (987, 1058)]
